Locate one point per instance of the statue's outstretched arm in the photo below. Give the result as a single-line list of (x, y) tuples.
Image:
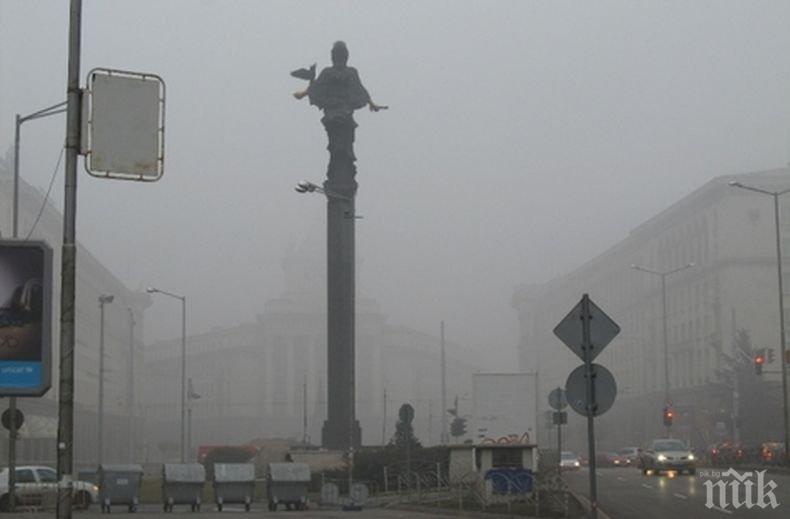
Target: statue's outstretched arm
[(374, 107), (302, 93)]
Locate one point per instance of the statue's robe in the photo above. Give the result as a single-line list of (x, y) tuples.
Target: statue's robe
[(338, 91)]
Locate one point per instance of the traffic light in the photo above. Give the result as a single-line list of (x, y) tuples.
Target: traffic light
[(769, 356), (759, 360), (668, 415), (458, 427)]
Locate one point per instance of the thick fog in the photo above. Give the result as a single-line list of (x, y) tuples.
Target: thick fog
[(522, 138)]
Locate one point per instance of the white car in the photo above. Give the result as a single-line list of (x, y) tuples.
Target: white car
[(569, 461), (38, 486), (667, 455)]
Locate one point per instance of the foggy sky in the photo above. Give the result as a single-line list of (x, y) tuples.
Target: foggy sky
[(523, 138)]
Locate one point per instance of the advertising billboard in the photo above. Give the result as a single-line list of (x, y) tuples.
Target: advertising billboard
[(25, 317)]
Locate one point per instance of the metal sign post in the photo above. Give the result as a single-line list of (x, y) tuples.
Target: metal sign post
[(558, 401), (587, 347), (587, 341)]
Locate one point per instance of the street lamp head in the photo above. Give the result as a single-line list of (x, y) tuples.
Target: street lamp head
[(304, 186), (151, 290), (106, 298), (692, 264), (633, 266), (734, 183)]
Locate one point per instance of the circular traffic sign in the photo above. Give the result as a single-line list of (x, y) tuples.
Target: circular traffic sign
[(557, 399), (6, 419), (605, 389)]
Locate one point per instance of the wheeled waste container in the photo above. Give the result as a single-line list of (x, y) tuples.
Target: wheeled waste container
[(234, 483), (286, 484), (182, 484), (119, 485)]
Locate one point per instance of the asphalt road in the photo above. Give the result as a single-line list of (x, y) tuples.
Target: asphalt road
[(625, 493), (154, 511)]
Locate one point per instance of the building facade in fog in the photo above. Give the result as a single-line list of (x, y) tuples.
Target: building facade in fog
[(729, 235), (123, 344), (255, 379)]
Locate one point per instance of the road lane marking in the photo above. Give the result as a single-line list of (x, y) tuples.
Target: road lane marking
[(680, 496), (646, 485), (620, 478), (728, 512)]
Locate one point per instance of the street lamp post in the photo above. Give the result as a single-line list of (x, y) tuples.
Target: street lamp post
[(103, 300), (152, 290), (782, 347), (191, 395), (663, 276), (130, 390), (12, 402)]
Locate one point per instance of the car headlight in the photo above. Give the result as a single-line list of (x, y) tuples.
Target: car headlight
[(661, 457), (691, 457), (95, 488), (576, 464)]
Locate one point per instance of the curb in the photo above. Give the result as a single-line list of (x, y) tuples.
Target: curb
[(586, 505), (447, 512)]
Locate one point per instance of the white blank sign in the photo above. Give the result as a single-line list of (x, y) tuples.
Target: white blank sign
[(126, 126)]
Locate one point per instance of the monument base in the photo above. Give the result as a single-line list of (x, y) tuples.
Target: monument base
[(335, 435)]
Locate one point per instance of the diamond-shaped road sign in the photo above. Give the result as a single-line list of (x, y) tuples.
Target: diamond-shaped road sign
[(602, 329)]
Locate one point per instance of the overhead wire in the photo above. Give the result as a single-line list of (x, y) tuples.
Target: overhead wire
[(46, 196)]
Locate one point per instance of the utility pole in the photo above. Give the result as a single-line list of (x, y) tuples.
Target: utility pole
[(103, 300), (384, 420), (304, 412), (130, 389), (445, 439), (65, 446)]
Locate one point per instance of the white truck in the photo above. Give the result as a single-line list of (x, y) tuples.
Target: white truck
[(37, 486), (504, 408)]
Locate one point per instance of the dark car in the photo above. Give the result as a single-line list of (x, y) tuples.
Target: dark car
[(629, 456), (727, 453), (772, 453), (608, 459)]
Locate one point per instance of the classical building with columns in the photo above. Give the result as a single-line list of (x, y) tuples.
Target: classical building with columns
[(730, 292), (267, 378)]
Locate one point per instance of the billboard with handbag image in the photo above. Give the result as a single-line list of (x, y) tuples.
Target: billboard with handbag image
[(25, 317)]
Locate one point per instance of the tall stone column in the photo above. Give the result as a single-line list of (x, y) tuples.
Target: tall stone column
[(338, 91), (341, 428)]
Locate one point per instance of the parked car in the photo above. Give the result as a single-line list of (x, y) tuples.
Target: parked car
[(38, 486), (607, 459), (666, 455), (569, 461), (727, 453), (629, 456), (772, 453)]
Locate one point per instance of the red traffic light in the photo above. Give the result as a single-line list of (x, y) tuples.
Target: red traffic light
[(759, 359), (669, 415)]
